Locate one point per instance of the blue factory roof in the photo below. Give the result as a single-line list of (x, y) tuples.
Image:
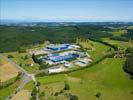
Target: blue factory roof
[(58, 46), (61, 58)]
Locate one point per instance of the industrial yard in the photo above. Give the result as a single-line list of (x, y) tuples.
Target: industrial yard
[(61, 57)]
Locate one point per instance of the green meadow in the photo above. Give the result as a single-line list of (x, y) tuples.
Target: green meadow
[(98, 50), (107, 77), (121, 44)]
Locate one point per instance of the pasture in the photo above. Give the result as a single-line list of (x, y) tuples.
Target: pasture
[(121, 44), (119, 32), (107, 77), (98, 51)]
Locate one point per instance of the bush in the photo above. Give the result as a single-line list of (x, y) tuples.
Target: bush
[(73, 97), (21, 64), (18, 76), (38, 83), (128, 66), (35, 59), (21, 50), (10, 56), (129, 50), (26, 57), (131, 77), (67, 87), (33, 94), (43, 65), (42, 94), (61, 91), (98, 95), (56, 94)]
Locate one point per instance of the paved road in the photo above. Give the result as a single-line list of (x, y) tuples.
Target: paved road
[(25, 80), (26, 77)]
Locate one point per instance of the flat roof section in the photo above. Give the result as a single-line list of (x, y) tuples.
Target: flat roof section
[(55, 47), (61, 58)]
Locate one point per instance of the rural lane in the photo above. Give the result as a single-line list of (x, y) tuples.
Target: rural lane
[(26, 77)]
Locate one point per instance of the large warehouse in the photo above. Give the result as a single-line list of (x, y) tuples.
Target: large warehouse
[(56, 47), (58, 58)]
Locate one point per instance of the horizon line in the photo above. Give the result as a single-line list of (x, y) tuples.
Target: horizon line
[(52, 20)]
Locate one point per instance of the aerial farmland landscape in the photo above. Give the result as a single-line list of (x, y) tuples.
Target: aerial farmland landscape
[(66, 50)]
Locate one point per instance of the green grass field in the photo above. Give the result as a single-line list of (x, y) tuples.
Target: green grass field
[(119, 32), (98, 51), (121, 44), (29, 86), (19, 58), (107, 77)]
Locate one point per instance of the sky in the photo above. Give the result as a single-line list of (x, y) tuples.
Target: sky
[(67, 10)]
